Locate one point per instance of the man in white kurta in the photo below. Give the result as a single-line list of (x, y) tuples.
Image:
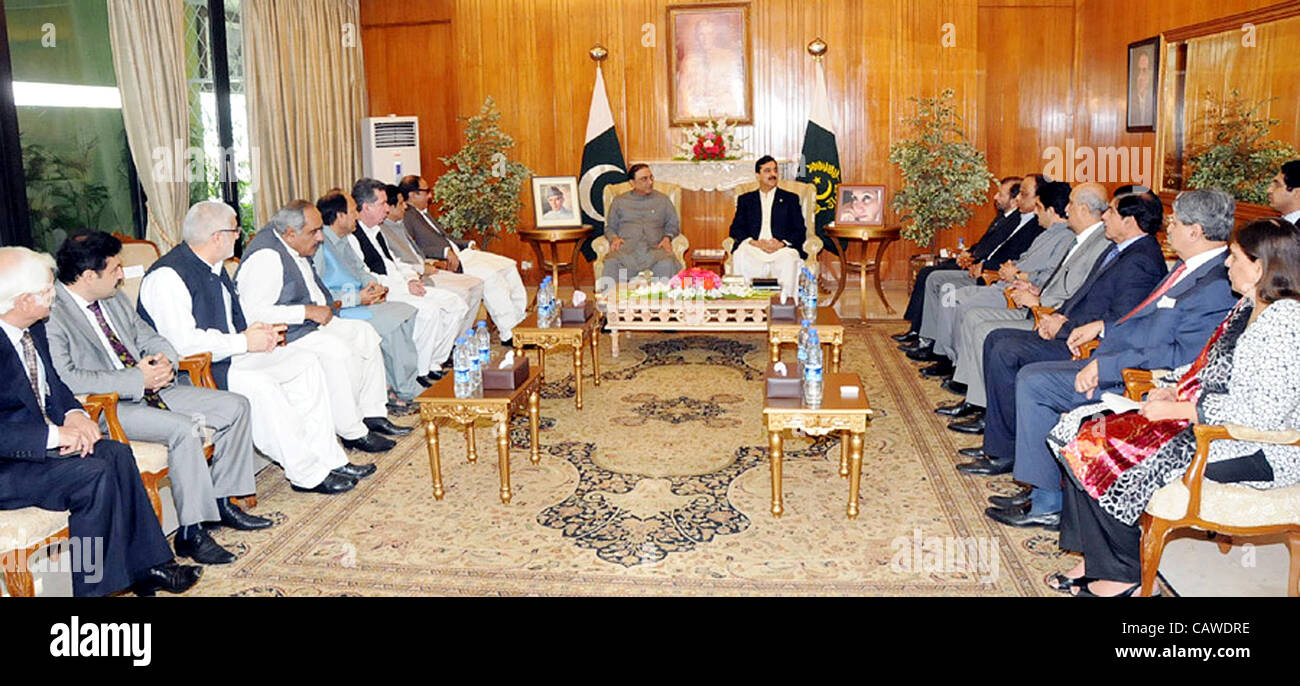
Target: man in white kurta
[(404, 251), (768, 230), (348, 349), (439, 312), (503, 289), (292, 420)]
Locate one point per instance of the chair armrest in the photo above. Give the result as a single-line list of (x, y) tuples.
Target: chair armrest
[(435, 264), (1194, 477), (680, 245), (1011, 304), (1137, 382), (1040, 311), (106, 404), (1085, 350), (990, 276), (199, 367)]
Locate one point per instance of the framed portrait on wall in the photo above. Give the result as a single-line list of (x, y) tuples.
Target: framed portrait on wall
[(709, 63), (1143, 82), (555, 201), (861, 206)]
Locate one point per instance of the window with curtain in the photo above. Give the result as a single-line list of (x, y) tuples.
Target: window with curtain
[(210, 110), (75, 158)]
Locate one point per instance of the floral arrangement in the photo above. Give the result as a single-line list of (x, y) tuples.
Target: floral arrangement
[(714, 140), (694, 284), (695, 278)]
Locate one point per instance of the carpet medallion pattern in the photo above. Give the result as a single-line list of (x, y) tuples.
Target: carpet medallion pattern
[(660, 486)]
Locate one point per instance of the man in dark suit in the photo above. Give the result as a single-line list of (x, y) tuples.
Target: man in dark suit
[(768, 230), (1125, 274), (1165, 331), (1005, 239), (52, 456), (101, 345)]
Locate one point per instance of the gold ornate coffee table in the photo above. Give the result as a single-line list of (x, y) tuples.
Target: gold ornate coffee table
[(439, 404), (837, 413), (829, 331), (625, 311), (573, 336)]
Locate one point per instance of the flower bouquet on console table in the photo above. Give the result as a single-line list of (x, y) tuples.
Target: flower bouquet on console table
[(715, 140)]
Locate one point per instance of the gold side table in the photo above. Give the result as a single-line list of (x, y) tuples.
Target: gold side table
[(837, 413), (882, 236), (574, 336), (829, 331), (574, 234), (439, 404)]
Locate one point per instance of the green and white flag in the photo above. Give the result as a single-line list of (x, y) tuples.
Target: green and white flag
[(821, 157), (602, 163)]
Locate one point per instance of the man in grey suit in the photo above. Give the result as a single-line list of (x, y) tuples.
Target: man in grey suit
[(1084, 213), (99, 344)]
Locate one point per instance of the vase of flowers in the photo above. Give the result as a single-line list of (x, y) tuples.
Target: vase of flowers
[(711, 141)]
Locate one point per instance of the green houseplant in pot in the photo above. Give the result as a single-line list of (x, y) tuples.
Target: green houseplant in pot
[(1238, 158), (480, 190), (943, 173)]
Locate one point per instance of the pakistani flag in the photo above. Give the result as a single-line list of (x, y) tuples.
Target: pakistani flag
[(821, 158), (602, 163)]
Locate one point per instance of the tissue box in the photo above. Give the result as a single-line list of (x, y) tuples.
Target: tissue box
[(506, 379), (577, 315), (788, 386), (778, 312)]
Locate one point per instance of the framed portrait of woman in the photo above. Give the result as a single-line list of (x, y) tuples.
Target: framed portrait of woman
[(709, 63), (861, 206)]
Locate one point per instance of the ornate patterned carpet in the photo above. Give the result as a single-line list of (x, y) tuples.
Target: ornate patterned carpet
[(659, 487)]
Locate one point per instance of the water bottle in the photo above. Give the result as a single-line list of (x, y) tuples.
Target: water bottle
[(805, 328), (812, 372), (544, 304), (461, 370), (484, 340), (809, 300)]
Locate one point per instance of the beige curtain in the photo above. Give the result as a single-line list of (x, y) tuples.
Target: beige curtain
[(306, 97), (148, 43)]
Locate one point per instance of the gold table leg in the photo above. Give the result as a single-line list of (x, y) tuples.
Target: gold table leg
[(503, 457), (835, 357), (844, 455), (577, 373), (774, 448), (435, 460), (862, 282), (855, 474), (534, 423), (595, 356), (880, 264), (774, 349), (541, 362), (469, 442)]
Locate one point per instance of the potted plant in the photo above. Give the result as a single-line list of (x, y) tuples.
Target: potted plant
[(1238, 158), (943, 173), (480, 190)]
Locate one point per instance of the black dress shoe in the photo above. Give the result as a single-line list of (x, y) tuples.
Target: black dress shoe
[(356, 472), (953, 387), (906, 337), (370, 443), (973, 425), (236, 518), (193, 542), (988, 466), (510, 342), (918, 344), (331, 484), (170, 577), (1050, 520), (976, 453), (423, 381), (924, 355), (957, 409), (942, 368), (383, 426), (1003, 502), (431, 378)]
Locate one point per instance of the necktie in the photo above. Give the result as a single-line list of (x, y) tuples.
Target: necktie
[(383, 245), (33, 378), (1111, 253), (1057, 270), (1159, 291), (128, 360)]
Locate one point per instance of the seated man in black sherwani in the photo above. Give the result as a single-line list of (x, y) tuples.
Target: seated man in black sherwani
[(768, 230), (52, 456)]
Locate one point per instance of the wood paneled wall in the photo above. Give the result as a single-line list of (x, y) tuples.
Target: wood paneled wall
[(1029, 75)]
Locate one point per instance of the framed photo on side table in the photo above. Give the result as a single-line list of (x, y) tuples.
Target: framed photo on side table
[(861, 206), (555, 201)]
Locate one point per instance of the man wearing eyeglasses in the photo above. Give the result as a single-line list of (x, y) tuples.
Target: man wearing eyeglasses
[(503, 290)]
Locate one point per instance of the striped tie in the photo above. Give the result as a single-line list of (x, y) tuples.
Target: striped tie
[(33, 378), (128, 360)]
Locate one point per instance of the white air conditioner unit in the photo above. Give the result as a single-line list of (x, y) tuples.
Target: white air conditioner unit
[(390, 147)]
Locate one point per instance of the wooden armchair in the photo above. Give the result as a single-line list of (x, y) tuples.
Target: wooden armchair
[(23, 532), (1040, 311), (1192, 502), (600, 244), (812, 245)]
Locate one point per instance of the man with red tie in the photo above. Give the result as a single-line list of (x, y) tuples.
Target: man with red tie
[(1165, 331)]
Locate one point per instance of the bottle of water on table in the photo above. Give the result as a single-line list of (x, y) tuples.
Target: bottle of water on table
[(805, 328), (460, 368), (484, 341), (812, 372)]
